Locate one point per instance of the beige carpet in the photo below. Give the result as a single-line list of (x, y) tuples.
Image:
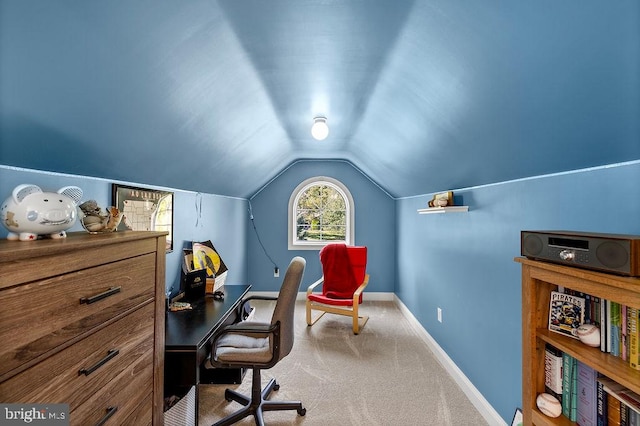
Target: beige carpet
[(386, 375)]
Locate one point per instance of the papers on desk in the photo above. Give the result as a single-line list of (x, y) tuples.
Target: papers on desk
[(179, 306)]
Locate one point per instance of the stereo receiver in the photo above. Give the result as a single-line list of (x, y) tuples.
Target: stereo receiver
[(615, 253)]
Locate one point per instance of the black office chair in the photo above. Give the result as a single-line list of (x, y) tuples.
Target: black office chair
[(260, 346)]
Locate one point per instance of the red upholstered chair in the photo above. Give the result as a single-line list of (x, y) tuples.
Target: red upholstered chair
[(344, 278)]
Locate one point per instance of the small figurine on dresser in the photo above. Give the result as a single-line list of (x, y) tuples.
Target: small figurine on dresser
[(94, 221), (31, 212)]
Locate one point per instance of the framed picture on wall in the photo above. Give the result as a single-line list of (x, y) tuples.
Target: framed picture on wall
[(517, 418), (145, 210)]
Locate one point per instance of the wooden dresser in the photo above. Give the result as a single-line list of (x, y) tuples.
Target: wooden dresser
[(82, 323)]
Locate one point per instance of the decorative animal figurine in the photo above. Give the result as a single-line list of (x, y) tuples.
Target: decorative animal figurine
[(94, 221), (442, 200), (30, 212)]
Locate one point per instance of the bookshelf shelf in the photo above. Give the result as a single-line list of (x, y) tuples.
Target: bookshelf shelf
[(450, 209), (538, 280)]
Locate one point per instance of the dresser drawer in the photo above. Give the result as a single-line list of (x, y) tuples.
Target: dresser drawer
[(143, 414), (48, 315), (120, 398), (72, 375)]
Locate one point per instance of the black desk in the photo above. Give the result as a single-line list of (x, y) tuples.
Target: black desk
[(188, 337)]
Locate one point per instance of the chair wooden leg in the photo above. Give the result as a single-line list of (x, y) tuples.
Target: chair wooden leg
[(310, 320), (356, 325), (308, 305)]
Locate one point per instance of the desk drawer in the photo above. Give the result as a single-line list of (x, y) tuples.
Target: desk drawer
[(58, 379), (54, 313)]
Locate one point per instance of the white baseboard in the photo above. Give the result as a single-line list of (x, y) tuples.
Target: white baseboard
[(482, 405)]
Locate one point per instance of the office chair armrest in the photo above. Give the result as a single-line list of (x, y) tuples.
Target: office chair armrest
[(250, 298), (243, 327), (314, 285), (258, 297)]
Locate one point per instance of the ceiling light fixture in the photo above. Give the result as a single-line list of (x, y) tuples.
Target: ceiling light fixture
[(320, 130)]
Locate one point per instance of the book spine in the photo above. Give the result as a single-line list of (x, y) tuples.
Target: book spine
[(608, 325), (613, 411), (624, 329), (603, 325), (553, 371), (574, 391), (624, 415), (602, 404), (587, 396), (566, 385), (615, 329), (634, 338), (633, 418)]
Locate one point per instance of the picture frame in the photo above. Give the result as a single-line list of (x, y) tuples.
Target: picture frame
[(517, 418), (145, 210)]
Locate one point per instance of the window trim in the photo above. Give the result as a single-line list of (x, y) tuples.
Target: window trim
[(293, 201)]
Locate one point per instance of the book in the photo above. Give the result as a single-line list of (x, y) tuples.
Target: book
[(613, 411), (621, 393), (615, 329), (624, 414), (601, 396), (566, 313), (604, 326), (634, 418), (633, 326), (587, 396), (553, 371), (624, 340), (568, 387), (573, 412)]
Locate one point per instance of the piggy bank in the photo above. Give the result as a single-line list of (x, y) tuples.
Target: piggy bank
[(30, 212)]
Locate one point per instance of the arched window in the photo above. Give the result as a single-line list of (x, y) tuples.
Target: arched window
[(321, 211)]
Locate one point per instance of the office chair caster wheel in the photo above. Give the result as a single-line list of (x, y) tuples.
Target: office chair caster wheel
[(276, 387), (302, 411)]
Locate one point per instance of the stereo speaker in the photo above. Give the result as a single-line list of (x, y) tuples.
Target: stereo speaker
[(614, 253)]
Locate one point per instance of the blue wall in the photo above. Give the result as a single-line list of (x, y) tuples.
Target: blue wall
[(197, 217), (463, 263), (374, 219), (460, 262)]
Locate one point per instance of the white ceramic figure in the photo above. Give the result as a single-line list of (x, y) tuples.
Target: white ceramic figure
[(30, 212)]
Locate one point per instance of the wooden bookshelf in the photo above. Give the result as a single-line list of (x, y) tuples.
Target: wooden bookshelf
[(538, 280)]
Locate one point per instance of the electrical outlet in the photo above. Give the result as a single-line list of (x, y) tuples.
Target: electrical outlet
[(276, 272), (439, 315)]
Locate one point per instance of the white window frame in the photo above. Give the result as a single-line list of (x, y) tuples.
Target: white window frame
[(294, 244)]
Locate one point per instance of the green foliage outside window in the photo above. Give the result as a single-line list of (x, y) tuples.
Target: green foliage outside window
[(321, 214)]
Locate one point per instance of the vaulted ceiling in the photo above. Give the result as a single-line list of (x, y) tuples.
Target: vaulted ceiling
[(218, 96)]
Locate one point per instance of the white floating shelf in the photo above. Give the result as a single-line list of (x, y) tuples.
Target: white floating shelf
[(450, 209)]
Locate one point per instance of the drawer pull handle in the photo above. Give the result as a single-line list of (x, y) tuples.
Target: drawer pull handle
[(91, 299), (111, 354), (110, 412)]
